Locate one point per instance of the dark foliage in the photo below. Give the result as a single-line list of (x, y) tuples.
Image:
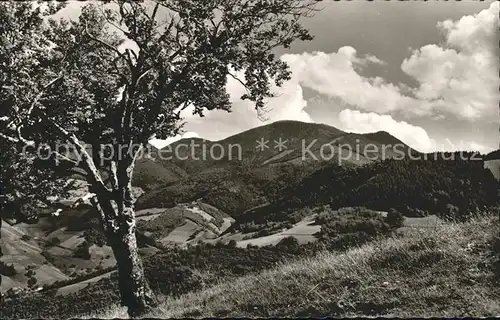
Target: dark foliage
[(269, 218), (82, 251), (448, 185), (32, 281), (348, 227), (7, 269), (394, 218), (95, 235), (53, 242)]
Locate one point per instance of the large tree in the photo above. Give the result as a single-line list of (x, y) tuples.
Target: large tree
[(104, 85)]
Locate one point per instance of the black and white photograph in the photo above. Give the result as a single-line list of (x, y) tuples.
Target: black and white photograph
[(199, 159)]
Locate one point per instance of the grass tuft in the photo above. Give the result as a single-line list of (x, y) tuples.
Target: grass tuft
[(444, 271)]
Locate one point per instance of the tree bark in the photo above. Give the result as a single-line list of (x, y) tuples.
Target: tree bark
[(135, 292), (116, 211)]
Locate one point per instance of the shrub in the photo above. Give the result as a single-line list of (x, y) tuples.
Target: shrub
[(288, 243), (82, 251), (25, 237), (231, 244), (394, 218), (32, 281), (53, 242), (47, 256), (7, 270)]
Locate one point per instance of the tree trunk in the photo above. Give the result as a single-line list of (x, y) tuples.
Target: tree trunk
[(116, 212), (135, 292)]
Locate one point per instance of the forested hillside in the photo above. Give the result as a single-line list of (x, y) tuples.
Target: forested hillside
[(449, 185)]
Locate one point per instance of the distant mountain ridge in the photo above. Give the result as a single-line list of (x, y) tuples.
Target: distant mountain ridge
[(279, 142), (244, 178)]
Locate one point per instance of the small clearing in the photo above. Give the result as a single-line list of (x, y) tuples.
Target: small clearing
[(304, 231)]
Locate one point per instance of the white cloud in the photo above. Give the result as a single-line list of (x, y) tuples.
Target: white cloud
[(359, 122), (289, 104), (414, 136), (161, 143), (456, 77), (334, 75), (461, 75)]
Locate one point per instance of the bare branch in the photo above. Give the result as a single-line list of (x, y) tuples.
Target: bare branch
[(239, 80), (42, 92), (86, 157)]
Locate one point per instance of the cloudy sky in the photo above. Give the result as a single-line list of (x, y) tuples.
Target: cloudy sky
[(426, 72)]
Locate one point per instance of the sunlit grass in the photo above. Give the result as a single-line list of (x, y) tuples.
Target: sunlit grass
[(442, 271)]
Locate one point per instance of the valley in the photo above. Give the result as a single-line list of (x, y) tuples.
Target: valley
[(208, 227)]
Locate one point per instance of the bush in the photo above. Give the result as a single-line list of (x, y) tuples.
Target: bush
[(25, 237), (289, 243), (53, 242), (82, 251), (30, 273), (352, 226), (95, 236), (32, 282), (394, 218), (7, 270)]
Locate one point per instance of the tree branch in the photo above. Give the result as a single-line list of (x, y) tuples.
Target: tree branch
[(239, 80), (85, 156), (110, 47), (11, 139), (114, 175), (42, 92)]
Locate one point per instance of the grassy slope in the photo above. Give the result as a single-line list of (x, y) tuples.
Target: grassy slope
[(21, 254), (193, 220), (447, 271), (494, 166)]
